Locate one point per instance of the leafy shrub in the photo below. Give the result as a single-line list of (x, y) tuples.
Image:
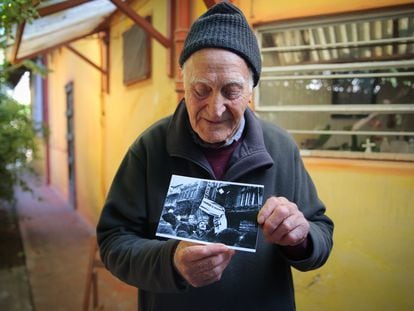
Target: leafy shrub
[(17, 145)]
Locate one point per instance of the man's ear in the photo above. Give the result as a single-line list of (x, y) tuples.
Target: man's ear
[(182, 73), (250, 104)]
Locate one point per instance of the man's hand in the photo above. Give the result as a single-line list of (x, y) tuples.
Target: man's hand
[(282, 222), (201, 265)]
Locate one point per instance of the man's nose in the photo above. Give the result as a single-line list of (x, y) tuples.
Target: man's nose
[(216, 106)]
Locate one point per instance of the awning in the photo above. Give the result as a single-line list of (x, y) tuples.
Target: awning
[(60, 22)]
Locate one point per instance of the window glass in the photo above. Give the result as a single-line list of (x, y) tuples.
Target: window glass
[(136, 55)]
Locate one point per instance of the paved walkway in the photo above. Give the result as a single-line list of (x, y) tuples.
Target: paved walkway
[(56, 244)]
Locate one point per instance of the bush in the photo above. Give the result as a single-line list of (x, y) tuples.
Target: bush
[(17, 146)]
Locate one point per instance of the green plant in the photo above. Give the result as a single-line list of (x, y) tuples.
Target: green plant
[(17, 134), (13, 13), (17, 145)]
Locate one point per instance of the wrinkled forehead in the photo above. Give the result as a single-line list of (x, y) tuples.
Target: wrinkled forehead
[(210, 65), (215, 56)]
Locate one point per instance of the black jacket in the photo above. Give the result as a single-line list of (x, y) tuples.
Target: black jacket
[(252, 281)]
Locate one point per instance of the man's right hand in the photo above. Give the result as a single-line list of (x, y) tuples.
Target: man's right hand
[(199, 264)]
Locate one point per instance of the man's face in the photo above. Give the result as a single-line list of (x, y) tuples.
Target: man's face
[(218, 88)]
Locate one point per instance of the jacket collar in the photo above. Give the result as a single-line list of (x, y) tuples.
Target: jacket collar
[(250, 155)]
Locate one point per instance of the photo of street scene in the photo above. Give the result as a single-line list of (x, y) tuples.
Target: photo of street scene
[(211, 211)]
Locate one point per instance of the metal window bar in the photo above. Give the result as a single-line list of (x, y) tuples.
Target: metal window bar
[(341, 109), (338, 132), (364, 43), (339, 76), (379, 65)]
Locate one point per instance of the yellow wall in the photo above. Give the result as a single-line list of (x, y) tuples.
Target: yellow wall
[(66, 67), (105, 124), (371, 203), (131, 109)]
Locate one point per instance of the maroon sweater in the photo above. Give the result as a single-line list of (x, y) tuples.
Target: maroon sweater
[(219, 158)]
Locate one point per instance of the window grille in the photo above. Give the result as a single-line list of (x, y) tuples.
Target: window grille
[(342, 84)]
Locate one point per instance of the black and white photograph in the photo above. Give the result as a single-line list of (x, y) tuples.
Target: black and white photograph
[(211, 211)]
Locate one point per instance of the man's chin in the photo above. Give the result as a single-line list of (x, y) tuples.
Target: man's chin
[(214, 142)]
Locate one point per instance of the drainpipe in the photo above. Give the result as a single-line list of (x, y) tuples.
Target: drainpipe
[(183, 20)]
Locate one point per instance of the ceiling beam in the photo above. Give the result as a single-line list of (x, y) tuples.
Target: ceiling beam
[(83, 57), (105, 58), (142, 22), (18, 40), (107, 21), (61, 6)]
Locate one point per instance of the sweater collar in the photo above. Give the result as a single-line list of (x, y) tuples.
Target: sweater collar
[(227, 143)]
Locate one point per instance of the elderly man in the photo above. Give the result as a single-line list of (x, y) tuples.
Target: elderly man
[(213, 134)]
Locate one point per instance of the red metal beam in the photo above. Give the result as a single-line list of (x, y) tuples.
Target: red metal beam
[(183, 23), (142, 22), (76, 52), (18, 40), (105, 58), (171, 28), (61, 6), (106, 23)]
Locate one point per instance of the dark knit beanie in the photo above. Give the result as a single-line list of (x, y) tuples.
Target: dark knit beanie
[(224, 26)]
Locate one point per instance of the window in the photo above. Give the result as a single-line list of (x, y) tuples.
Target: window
[(136, 55), (344, 84)]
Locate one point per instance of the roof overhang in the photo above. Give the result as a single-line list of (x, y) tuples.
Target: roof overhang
[(60, 22), (63, 21)]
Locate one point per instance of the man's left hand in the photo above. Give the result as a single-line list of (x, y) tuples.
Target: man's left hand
[(282, 222)]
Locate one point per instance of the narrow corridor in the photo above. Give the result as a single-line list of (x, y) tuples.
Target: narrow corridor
[(56, 244)]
